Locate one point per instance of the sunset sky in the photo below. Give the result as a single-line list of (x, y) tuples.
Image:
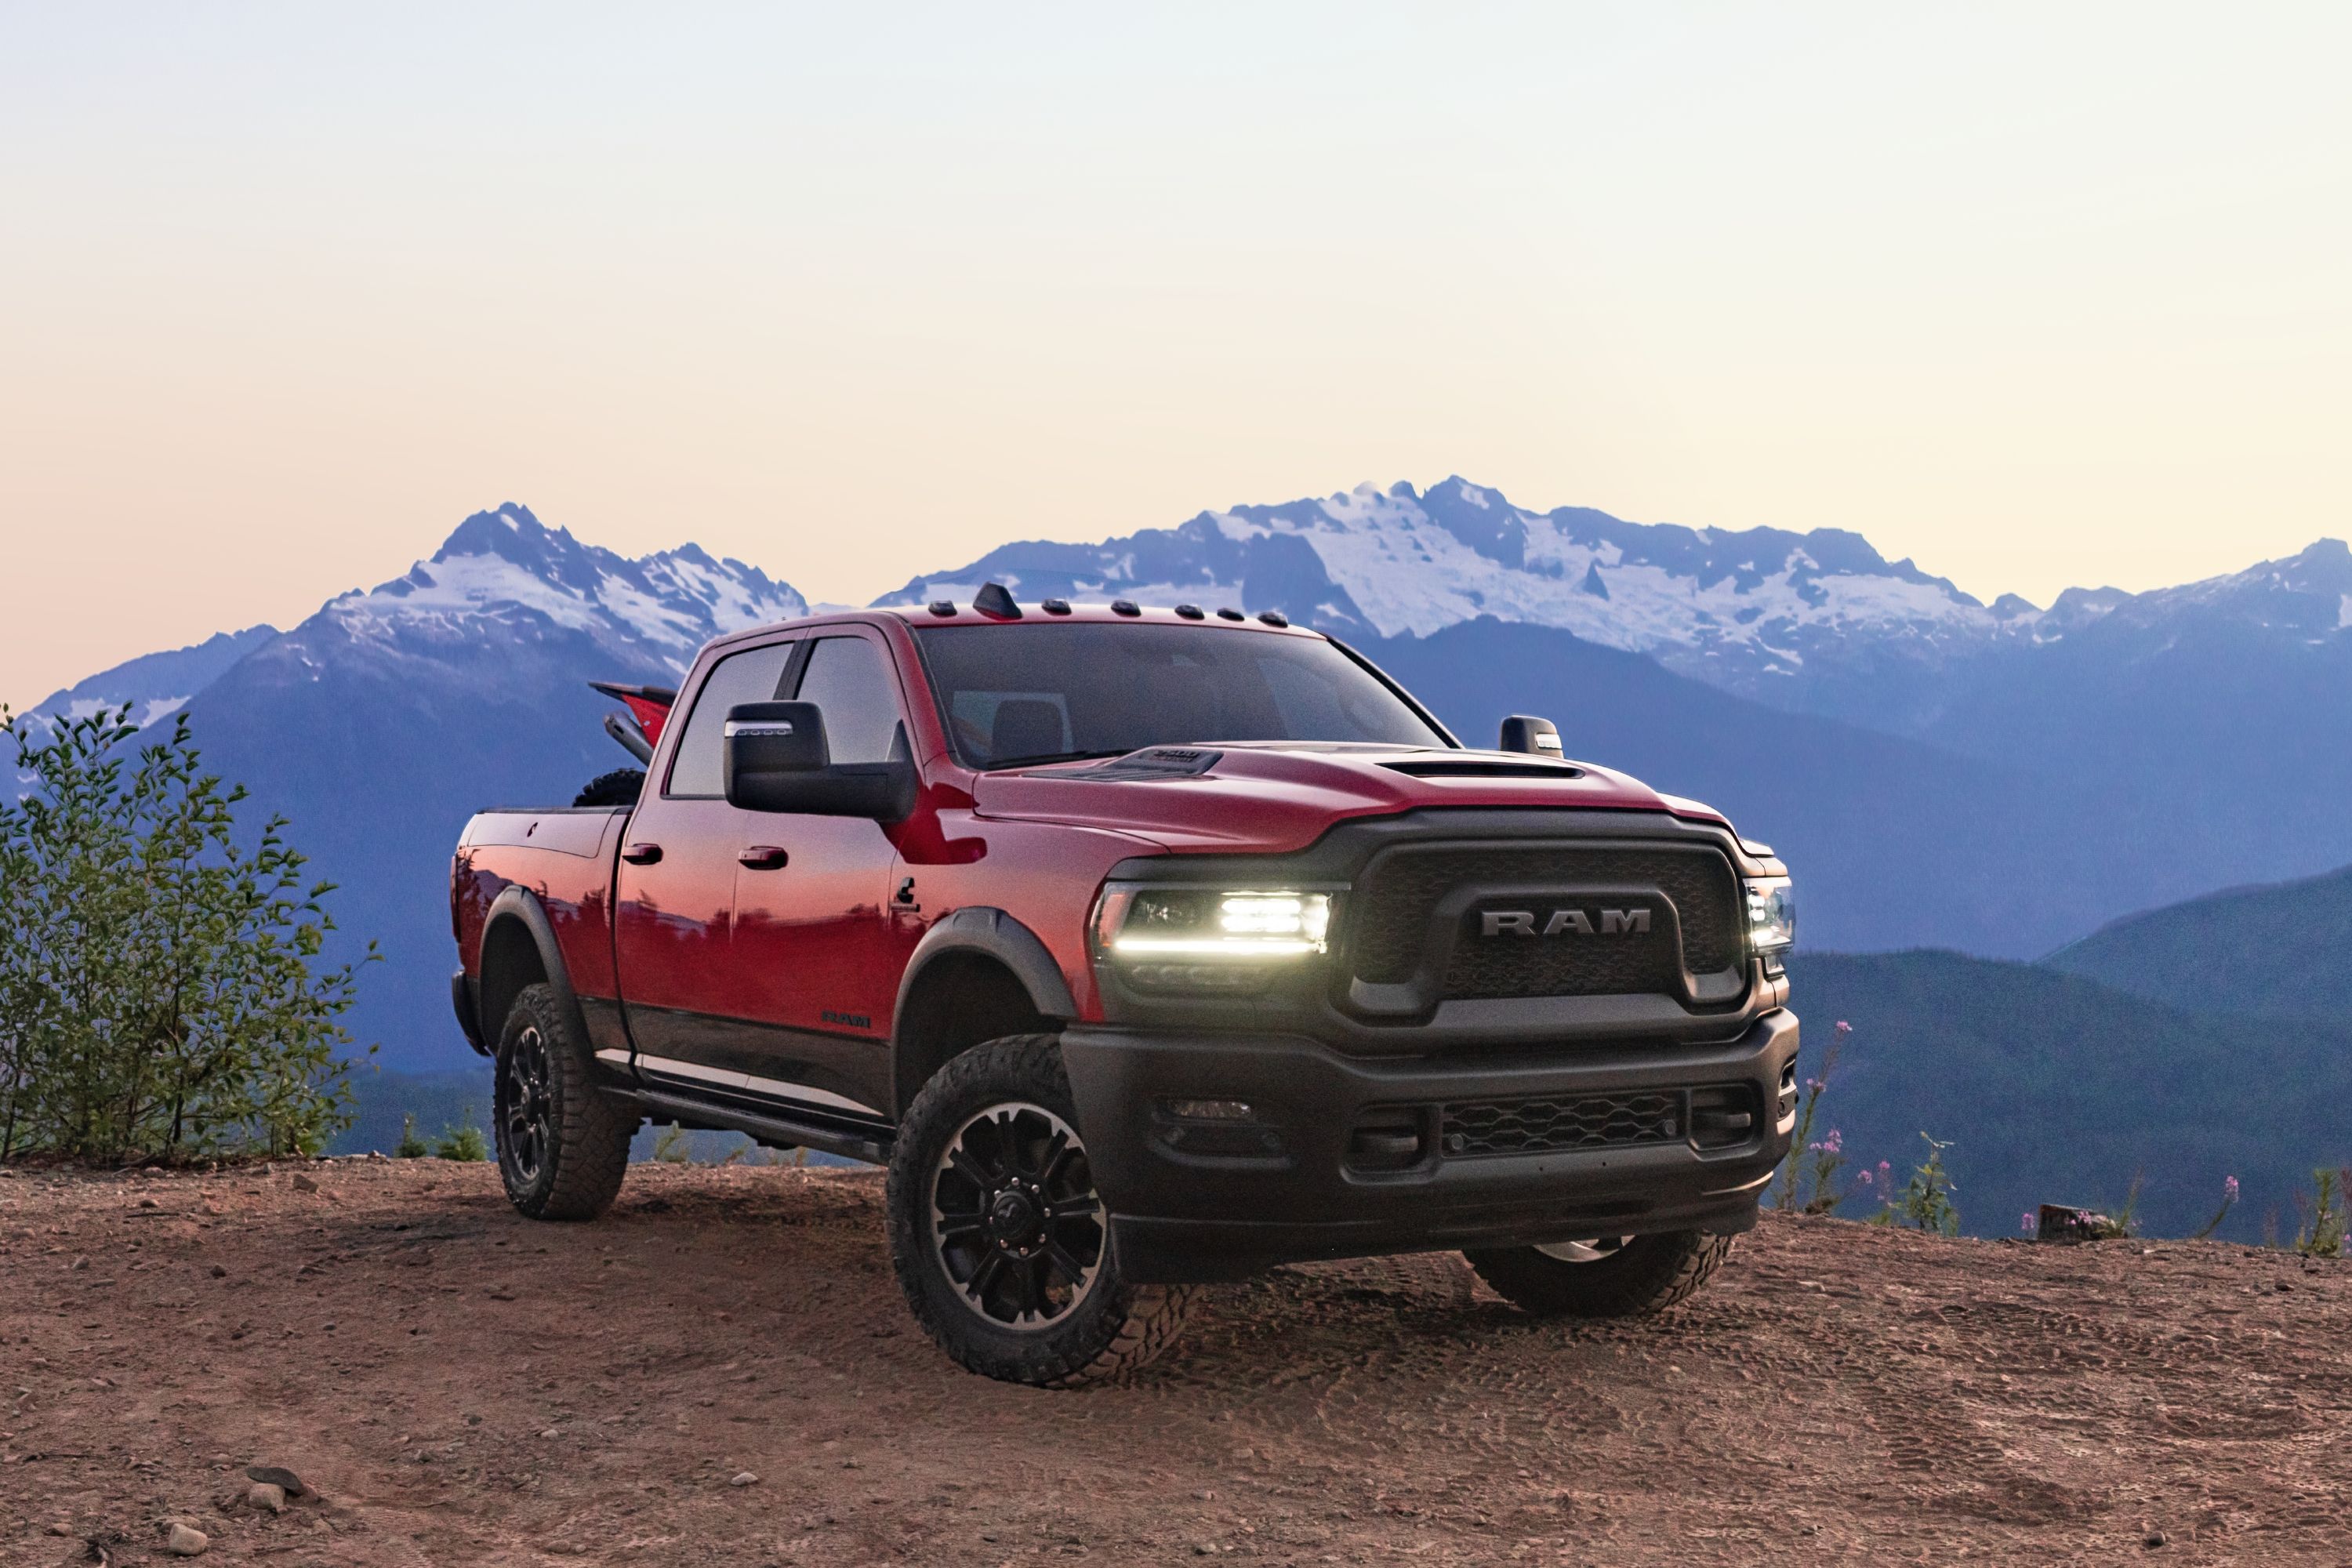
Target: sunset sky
[(2037, 296)]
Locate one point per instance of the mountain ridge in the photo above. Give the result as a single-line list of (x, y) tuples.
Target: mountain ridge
[(2272, 950), (2056, 786)]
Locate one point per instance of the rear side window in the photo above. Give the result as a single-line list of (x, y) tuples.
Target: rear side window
[(751, 676), (849, 679)]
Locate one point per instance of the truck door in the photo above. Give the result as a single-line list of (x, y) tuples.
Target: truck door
[(814, 948), (676, 887)]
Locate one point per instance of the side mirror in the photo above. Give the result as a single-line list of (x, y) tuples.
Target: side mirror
[(776, 760), (1524, 733)]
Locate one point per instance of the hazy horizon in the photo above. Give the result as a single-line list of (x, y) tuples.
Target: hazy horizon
[(2037, 300)]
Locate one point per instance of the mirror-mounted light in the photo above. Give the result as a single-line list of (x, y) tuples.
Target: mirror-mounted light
[(1531, 736), (776, 759)]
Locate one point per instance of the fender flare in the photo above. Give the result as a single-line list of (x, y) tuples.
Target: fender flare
[(989, 933), (519, 905)]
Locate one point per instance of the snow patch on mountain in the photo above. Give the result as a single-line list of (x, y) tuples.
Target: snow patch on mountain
[(157, 685), (1744, 608), (505, 568)]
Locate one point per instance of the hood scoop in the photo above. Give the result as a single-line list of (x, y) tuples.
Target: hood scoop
[(1482, 768)]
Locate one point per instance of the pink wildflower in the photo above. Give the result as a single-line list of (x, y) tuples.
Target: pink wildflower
[(2028, 1224), (2229, 1189)]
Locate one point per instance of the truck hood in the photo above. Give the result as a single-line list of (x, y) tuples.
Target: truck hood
[(1273, 797)]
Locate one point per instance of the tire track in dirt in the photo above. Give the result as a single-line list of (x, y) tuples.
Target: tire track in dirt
[(497, 1392)]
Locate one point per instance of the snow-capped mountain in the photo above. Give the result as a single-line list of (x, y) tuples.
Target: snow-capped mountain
[(504, 577), (381, 722), (2306, 596), (1994, 778), (1762, 612), (1817, 622), (155, 686)]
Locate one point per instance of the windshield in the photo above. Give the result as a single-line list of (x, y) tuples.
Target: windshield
[(1011, 695)]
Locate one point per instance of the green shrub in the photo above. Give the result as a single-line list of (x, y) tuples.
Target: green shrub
[(412, 1145), (2321, 1234), (463, 1142), (158, 998)]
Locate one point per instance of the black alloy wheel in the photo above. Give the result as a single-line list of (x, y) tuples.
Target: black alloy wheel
[(1016, 1218), (1000, 1238), (564, 1143), (526, 1107)]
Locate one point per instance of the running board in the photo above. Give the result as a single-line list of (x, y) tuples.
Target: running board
[(765, 1127)]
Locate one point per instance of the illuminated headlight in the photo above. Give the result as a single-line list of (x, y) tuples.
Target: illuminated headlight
[(1771, 914), (1189, 927)]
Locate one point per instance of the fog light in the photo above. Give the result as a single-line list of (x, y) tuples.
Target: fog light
[(1208, 1109)]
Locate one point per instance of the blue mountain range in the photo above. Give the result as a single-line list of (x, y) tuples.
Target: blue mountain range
[(1998, 779)]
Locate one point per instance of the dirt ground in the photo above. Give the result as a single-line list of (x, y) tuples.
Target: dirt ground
[(459, 1385)]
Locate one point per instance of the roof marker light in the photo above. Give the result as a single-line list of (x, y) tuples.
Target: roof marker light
[(1274, 617), (1229, 613), (1124, 607), (1191, 612), (943, 607), (1054, 606)]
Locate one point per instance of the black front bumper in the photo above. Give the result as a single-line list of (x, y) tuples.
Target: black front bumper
[(1196, 1199)]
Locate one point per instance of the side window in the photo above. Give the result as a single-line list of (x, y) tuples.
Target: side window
[(751, 676), (849, 679)]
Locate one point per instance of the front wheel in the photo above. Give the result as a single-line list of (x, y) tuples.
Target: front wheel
[(999, 1237), (1602, 1277), (563, 1143)]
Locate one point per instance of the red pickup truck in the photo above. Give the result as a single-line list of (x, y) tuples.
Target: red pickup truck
[(1146, 947)]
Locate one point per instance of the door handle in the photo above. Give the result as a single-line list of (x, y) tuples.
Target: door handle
[(762, 857), (642, 854)]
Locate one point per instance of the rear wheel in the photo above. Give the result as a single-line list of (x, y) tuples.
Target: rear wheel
[(1602, 1277), (563, 1144), (999, 1237)]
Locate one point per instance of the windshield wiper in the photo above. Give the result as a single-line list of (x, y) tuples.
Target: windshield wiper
[(993, 763)]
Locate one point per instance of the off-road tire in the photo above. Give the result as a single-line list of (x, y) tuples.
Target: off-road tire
[(620, 788), (1115, 1327), (585, 1133), (1649, 1274)]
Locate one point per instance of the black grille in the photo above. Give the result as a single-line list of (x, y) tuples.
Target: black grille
[(1589, 1122), (1403, 887)]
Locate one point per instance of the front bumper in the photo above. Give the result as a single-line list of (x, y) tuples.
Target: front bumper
[(1294, 1181)]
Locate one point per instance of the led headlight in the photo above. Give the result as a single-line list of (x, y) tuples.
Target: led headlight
[(1211, 925), (1771, 915)]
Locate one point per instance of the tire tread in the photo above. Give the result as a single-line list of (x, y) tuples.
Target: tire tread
[(592, 1131), (1664, 1275), (1150, 1316)]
